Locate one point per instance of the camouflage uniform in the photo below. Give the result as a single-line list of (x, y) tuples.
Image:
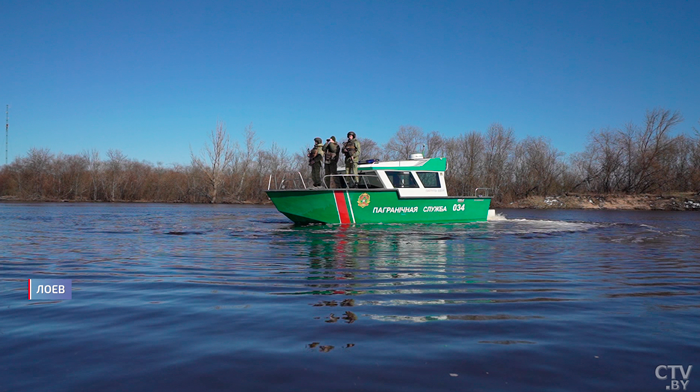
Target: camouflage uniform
[(351, 149), (315, 159), (331, 153)]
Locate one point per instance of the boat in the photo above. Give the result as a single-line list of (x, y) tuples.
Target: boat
[(408, 191)]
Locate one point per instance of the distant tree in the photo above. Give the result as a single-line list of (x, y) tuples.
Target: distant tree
[(465, 157), (473, 147), (77, 169), (537, 168), (68, 174), (246, 163), (300, 164), (645, 148), (634, 159), (601, 164), (17, 170), (92, 157), (435, 145), (695, 162), (37, 171), (408, 140), (274, 165), (678, 163), (369, 149), (498, 150), (217, 158), (115, 167)]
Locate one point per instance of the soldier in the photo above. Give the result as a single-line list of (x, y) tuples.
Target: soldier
[(315, 159), (351, 149), (331, 156)]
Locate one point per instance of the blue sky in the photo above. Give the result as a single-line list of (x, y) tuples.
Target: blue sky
[(152, 78)]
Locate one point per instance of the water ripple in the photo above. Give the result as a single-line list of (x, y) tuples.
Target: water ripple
[(178, 297)]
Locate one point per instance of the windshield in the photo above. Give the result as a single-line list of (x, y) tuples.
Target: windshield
[(402, 179)]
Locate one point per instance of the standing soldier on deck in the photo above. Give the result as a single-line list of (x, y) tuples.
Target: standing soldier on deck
[(315, 159), (330, 155), (351, 149)]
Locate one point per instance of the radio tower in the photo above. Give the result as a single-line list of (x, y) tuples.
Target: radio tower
[(7, 129)]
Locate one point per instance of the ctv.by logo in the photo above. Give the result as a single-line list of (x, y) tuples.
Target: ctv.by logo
[(662, 373)]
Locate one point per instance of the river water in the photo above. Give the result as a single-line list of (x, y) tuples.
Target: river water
[(236, 298)]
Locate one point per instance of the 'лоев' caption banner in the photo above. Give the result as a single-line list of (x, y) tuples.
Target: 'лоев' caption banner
[(50, 288)]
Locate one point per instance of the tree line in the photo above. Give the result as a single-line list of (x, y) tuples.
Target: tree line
[(635, 159)]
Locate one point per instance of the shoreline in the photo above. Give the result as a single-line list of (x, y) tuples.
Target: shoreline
[(645, 202), (12, 199)]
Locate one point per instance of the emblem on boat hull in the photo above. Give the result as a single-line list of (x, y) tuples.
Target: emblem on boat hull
[(363, 200)]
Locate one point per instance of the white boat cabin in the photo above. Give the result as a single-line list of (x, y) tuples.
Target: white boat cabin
[(415, 177)]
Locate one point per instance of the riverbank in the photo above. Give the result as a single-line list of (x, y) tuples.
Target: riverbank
[(669, 202), (14, 199)]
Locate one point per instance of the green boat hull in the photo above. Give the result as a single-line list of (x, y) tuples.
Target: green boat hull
[(350, 206)]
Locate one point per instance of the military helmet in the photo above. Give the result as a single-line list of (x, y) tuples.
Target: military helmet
[(352, 133), (318, 140)]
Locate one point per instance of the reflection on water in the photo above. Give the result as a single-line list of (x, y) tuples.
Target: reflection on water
[(175, 297)]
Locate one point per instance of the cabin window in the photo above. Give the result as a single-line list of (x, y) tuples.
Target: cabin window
[(402, 179), (429, 179), (370, 180)]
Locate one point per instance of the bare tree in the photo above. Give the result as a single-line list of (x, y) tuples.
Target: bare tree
[(370, 149), (274, 165), (644, 148), (473, 147), (435, 144), (602, 164), (537, 167), (678, 164), (39, 161), (216, 160), (243, 166), (694, 161), (408, 140), (17, 170), (300, 164), (499, 144), (93, 165), (115, 167), (465, 155), (76, 168), (635, 159)]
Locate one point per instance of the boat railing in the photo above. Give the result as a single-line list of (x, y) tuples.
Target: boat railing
[(288, 181), (348, 181), (483, 192), (331, 181)]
